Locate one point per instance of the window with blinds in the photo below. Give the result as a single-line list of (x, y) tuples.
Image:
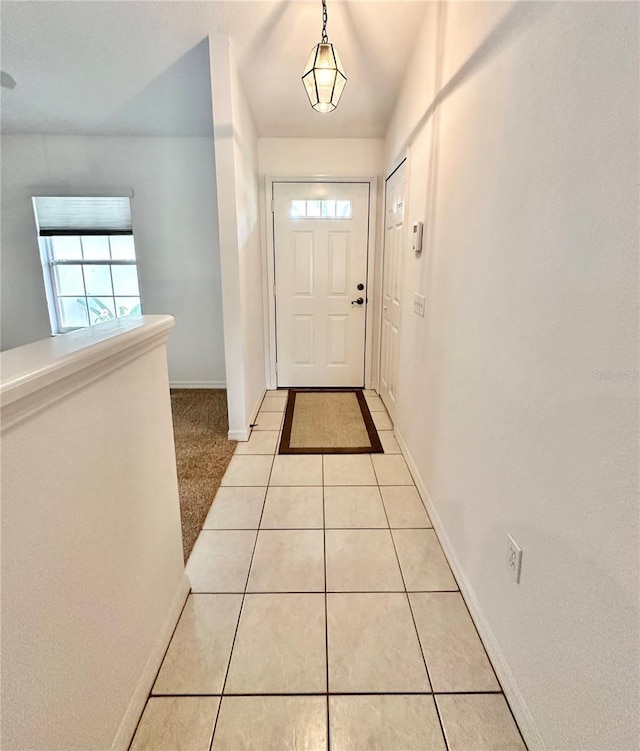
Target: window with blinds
[(88, 259)]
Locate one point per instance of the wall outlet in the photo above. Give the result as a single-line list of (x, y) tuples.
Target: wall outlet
[(514, 559), (418, 304)]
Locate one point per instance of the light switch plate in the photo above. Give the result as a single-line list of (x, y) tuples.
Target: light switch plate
[(418, 304), (514, 559)]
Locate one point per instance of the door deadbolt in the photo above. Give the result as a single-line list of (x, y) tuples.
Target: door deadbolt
[(361, 287)]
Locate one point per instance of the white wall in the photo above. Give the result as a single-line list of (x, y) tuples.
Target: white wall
[(93, 579), (236, 149), (245, 146), (175, 229), (333, 157), (524, 169)]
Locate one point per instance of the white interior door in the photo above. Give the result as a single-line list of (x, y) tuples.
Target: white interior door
[(320, 241), (391, 286)]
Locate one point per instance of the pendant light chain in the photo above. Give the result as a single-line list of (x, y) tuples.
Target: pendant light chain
[(324, 78), (325, 17)]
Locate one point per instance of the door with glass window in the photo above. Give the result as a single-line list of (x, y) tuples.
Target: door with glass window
[(320, 242)]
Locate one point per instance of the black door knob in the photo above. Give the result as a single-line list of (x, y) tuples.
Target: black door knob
[(359, 301), (361, 287)]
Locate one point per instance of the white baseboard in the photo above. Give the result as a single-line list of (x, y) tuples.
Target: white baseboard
[(197, 384), (256, 407), (129, 723), (245, 434), (503, 671)]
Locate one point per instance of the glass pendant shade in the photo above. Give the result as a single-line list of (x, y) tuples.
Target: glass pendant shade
[(324, 78)]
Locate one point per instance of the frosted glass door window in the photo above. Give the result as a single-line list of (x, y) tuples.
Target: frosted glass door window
[(328, 209), (298, 209), (316, 209)]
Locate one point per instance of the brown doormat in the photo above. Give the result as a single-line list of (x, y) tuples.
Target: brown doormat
[(328, 421)]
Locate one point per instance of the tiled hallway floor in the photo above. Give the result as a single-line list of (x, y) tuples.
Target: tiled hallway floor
[(323, 614)]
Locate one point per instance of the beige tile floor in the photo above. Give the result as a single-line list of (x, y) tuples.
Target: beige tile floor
[(323, 615)]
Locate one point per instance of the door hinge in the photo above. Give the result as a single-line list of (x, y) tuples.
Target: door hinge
[(274, 290), (272, 205), (276, 367)]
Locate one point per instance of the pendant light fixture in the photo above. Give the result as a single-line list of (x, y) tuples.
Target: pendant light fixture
[(323, 77)]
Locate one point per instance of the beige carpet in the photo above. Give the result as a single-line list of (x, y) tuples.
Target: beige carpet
[(203, 453), (328, 420)]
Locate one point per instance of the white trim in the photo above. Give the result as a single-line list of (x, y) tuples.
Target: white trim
[(375, 297), (514, 696), (395, 163), (266, 216), (244, 435), (371, 278), (256, 407), (269, 261), (197, 384), (40, 374), (269, 298), (129, 723), (406, 160), (379, 292)]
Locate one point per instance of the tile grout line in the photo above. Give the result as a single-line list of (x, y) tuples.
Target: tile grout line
[(434, 694), (326, 613), (415, 626), (151, 694), (244, 596), (459, 591), (314, 485), (304, 529), (336, 592), (335, 693), (495, 674)]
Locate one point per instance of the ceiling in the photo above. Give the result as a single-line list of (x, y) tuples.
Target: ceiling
[(142, 67)]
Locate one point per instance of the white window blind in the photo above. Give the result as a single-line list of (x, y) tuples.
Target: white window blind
[(80, 215)]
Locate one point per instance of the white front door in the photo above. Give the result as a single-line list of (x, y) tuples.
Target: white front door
[(391, 287), (320, 240)]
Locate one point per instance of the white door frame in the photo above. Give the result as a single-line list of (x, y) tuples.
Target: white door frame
[(403, 161), (269, 270), (395, 165)]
